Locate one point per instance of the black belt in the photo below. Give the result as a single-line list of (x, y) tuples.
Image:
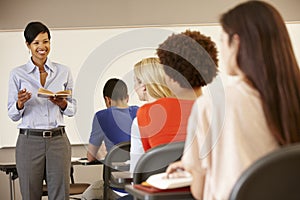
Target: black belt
[(44, 133)]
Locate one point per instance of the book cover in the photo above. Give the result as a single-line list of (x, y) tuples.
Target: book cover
[(42, 92), (151, 189), (161, 181)]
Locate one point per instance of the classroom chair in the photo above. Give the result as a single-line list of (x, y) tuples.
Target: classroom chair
[(276, 176), (119, 153), (156, 160)]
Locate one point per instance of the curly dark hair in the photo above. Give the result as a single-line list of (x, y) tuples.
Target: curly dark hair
[(190, 58)]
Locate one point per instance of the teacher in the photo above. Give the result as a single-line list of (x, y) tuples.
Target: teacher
[(43, 148)]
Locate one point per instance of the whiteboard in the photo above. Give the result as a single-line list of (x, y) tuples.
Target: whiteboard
[(94, 56)]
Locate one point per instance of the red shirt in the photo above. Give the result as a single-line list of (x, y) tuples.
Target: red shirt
[(163, 121)]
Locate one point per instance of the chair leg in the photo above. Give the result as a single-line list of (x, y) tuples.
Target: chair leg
[(105, 194)]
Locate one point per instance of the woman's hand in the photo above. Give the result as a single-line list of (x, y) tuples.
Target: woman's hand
[(175, 170), (61, 102), (23, 96)]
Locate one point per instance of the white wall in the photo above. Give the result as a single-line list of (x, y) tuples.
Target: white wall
[(94, 55)]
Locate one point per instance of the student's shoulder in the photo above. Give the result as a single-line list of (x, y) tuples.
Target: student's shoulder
[(133, 108), (162, 102), (170, 103), (144, 108), (240, 93), (102, 113)]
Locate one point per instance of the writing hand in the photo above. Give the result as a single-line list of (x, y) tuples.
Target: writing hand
[(23, 96), (61, 102)]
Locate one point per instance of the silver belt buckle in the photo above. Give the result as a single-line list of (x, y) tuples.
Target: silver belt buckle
[(47, 134)]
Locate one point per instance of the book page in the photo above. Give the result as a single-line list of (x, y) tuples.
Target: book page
[(63, 94), (42, 92), (162, 182)]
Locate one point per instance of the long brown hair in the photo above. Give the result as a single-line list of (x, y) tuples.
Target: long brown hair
[(267, 59)]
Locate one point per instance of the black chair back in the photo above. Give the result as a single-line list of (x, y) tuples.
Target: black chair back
[(156, 160), (118, 153), (276, 176)]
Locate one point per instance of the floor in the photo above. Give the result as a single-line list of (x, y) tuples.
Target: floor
[(76, 196)]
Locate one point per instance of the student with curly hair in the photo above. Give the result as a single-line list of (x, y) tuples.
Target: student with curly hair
[(262, 105), (189, 60)]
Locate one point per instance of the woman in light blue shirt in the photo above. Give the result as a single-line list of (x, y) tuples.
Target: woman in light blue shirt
[(42, 145)]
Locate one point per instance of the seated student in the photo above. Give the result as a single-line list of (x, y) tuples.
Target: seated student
[(189, 61), (262, 110), (150, 85), (111, 125)]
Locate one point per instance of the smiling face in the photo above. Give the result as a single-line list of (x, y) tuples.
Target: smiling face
[(40, 48)]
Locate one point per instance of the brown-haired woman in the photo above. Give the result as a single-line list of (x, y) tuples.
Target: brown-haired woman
[(261, 109)]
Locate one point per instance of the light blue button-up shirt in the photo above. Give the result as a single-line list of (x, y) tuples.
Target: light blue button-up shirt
[(38, 112)]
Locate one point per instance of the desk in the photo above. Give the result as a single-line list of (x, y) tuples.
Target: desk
[(122, 177), (11, 170), (121, 166), (142, 195), (84, 161)]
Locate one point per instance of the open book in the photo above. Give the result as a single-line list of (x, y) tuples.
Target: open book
[(47, 93), (162, 182)]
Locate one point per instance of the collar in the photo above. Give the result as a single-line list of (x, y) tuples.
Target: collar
[(31, 67)]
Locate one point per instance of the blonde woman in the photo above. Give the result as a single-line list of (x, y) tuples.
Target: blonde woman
[(150, 85)]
